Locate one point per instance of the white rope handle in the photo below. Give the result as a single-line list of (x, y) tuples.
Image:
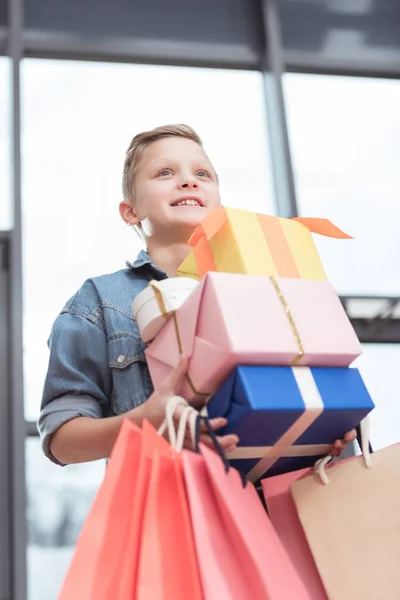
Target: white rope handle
[(168, 423), (319, 468), (194, 415), (365, 429), (189, 416)]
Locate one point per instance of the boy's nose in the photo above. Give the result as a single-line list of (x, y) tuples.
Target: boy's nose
[(188, 183)]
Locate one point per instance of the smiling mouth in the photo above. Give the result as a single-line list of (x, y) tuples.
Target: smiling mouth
[(188, 202)]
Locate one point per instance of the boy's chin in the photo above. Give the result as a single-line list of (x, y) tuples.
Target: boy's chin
[(191, 220)]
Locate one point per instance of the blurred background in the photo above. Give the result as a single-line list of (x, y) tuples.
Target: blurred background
[(298, 105)]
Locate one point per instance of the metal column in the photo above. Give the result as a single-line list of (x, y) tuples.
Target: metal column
[(285, 194), (5, 475), (17, 420)]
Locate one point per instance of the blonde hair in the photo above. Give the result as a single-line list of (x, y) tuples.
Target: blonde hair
[(141, 141)]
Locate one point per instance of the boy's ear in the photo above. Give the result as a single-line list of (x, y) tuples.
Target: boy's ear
[(128, 213)]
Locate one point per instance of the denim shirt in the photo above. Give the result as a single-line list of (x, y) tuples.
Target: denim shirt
[(97, 366)]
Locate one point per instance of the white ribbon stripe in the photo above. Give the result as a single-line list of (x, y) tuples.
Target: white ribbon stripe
[(314, 406)]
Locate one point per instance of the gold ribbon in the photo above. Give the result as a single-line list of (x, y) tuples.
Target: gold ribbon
[(180, 348), (155, 285), (285, 306)]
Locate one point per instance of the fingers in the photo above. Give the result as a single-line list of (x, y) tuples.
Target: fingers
[(172, 382), (227, 442), (207, 441), (350, 436), (216, 423), (338, 446)]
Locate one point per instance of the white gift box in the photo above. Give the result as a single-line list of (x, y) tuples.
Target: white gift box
[(153, 307)]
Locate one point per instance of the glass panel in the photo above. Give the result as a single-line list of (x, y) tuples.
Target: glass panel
[(6, 217), (78, 119), (58, 501), (345, 138), (379, 365)]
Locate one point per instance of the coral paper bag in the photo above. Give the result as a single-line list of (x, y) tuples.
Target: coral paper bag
[(168, 568), (125, 580), (239, 552), (100, 546), (222, 574), (284, 518), (353, 526), (104, 564)]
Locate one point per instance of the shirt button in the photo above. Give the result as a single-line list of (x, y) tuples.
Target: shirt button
[(121, 358)]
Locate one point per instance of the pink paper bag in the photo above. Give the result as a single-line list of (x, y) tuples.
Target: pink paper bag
[(240, 554), (168, 566), (232, 320), (284, 518), (220, 569)]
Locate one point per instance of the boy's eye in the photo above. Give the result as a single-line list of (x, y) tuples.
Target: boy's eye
[(203, 174), (164, 172)]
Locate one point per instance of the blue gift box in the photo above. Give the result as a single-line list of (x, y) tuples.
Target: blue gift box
[(268, 405)]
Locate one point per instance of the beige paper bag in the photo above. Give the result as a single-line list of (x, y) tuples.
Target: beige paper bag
[(353, 526)]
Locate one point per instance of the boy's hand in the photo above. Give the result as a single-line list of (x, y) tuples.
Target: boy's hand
[(339, 445), (156, 405)]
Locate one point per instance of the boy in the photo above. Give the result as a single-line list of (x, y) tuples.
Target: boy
[(97, 373)]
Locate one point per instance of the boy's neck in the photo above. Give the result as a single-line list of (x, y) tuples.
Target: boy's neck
[(168, 257)]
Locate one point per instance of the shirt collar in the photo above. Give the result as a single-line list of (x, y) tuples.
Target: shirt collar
[(144, 260)]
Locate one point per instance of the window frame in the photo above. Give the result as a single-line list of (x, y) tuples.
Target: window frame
[(271, 61)]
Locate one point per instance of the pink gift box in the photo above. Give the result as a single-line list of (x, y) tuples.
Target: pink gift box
[(232, 319)]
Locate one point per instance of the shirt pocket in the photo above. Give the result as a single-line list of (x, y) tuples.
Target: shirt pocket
[(130, 374)]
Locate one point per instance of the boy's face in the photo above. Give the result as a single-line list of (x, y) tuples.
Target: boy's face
[(175, 188)]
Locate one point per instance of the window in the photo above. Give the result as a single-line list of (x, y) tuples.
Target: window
[(78, 119), (379, 366), (345, 139), (5, 145), (58, 501)]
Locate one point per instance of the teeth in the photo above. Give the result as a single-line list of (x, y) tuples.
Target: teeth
[(187, 203)]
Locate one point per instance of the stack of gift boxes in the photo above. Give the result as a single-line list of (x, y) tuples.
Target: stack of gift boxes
[(268, 341)]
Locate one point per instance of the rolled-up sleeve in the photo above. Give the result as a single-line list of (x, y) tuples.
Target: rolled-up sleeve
[(78, 379), (60, 411)]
